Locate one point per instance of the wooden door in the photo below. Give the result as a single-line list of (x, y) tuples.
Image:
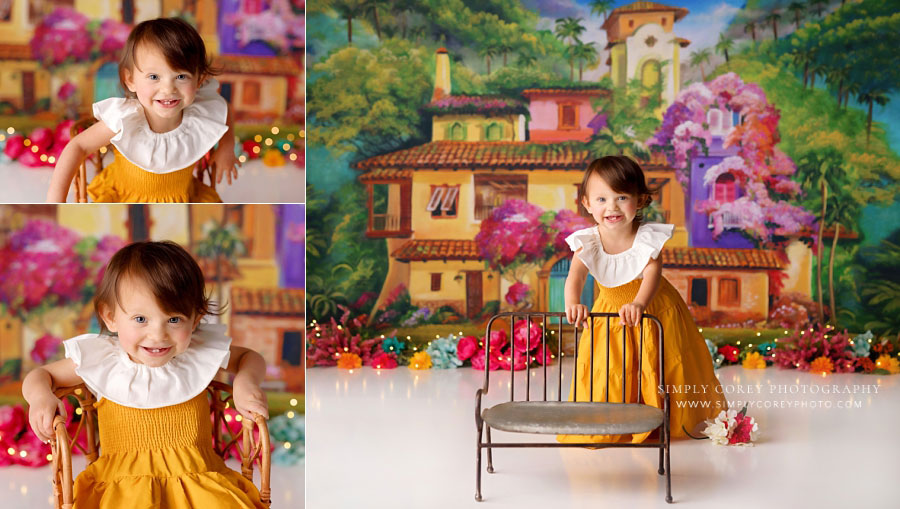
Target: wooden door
[(28, 91), (474, 301)]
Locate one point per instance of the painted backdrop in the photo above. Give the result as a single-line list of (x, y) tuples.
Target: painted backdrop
[(447, 139)]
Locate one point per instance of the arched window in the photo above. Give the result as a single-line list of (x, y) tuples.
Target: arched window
[(725, 188), (493, 132), (457, 132)]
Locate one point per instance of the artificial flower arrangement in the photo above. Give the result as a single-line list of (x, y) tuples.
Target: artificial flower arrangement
[(20, 446), (820, 350), (731, 427)]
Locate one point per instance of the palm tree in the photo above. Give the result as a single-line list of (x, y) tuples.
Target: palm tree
[(222, 244), (488, 51), (601, 8), (504, 47), (569, 28), (698, 58), (870, 97), (774, 17), (751, 27), (797, 8), (724, 45), (818, 5), (373, 6), (526, 59), (584, 53), (349, 9)]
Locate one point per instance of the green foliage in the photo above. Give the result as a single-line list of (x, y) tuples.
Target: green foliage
[(881, 289), (368, 101), (342, 263), (631, 118)]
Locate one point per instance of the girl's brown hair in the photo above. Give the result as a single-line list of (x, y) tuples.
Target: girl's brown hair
[(166, 268), (623, 175), (177, 40)]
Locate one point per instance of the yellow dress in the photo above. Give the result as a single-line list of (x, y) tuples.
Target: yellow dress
[(160, 458), (125, 182), (687, 363)]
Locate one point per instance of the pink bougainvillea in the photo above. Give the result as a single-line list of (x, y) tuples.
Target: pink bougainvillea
[(805, 346), (759, 167), (45, 348), (513, 233)]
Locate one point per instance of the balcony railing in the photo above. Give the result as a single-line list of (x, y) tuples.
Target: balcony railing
[(385, 222), (729, 220)]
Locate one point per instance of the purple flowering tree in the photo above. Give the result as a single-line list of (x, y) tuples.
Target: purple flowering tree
[(760, 168)]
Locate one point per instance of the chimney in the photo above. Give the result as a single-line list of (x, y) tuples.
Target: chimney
[(441, 75)]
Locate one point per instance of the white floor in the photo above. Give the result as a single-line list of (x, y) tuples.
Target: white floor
[(402, 439), (31, 488), (256, 183)]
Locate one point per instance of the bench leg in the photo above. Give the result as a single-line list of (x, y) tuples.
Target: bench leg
[(490, 466), (668, 469), (478, 468), (662, 439)]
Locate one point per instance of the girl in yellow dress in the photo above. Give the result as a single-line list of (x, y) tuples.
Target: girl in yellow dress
[(148, 370), (622, 253), (172, 116)]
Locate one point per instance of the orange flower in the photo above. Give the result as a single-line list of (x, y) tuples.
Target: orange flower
[(889, 363), (421, 360), (821, 365), (349, 361), (866, 364), (754, 360)]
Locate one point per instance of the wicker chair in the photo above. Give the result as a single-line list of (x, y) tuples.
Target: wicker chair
[(220, 396), (556, 416), (202, 169)]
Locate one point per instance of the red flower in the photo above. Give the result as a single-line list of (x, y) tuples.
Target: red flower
[(45, 348), (478, 359), (15, 145), (730, 352), (466, 347), (384, 360), (521, 336), (742, 427)]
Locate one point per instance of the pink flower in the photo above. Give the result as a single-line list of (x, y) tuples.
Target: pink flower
[(521, 336), (740, 434), (12, 420), (45, 348), (15, 145), (729, 352), (35, 451), (478, 360), (466, 348), (517, 293), (66, 91), (384, 360), (499, 339)]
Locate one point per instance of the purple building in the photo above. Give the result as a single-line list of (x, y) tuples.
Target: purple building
[(725, 188)]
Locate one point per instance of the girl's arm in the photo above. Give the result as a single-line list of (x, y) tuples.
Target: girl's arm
[(631, 313), (250, 369), (223, 157), (86, 142), (576, 312), (38, 387)]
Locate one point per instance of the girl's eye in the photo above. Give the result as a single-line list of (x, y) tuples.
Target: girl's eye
[(140, 319), (175, 319), (623, 198), (153, 76), (182, 76), (601, 199)]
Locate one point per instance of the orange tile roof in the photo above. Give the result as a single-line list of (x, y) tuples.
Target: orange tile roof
[(15, 52), (437, 249), (481, 154), (385, 174), (268, 301), (714, 257), (531, 92), (281, 66), (680, 12)]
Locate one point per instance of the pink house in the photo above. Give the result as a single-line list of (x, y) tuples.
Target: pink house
[(559, 114)]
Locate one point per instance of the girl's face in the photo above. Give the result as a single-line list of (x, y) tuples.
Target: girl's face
[(612, 210), (147, 333), (162, 91)]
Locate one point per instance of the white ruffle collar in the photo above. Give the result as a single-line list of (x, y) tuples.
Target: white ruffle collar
[(612, 270), (109, 373), (202, 125)]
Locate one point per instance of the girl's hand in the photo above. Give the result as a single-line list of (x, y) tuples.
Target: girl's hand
[(577, 313), (249, 397), (224, 162), (631, 314), (41, 413)]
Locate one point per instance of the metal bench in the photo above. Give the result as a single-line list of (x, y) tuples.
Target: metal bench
[(560, 417)]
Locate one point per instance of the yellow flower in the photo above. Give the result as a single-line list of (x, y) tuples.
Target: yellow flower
[(273, 158), (889, 363), (754, 360), (349, 361), (821, 365), (421, 360)]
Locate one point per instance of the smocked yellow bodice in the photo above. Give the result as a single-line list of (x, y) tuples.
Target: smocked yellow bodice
[(124, 181)]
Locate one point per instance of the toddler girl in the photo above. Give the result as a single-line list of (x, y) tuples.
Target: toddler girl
[(148, 370), (622, 253), (171, 117)]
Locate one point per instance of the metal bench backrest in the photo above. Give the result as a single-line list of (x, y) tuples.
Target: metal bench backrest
[(529, 316)]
